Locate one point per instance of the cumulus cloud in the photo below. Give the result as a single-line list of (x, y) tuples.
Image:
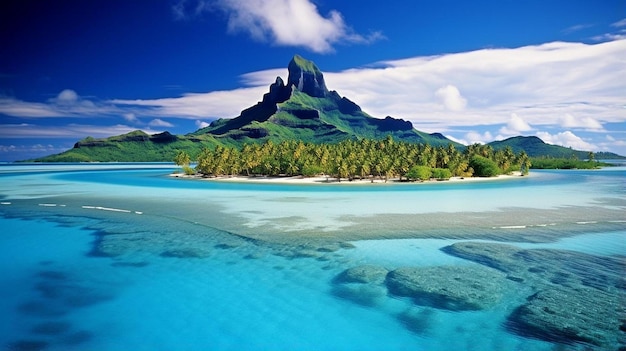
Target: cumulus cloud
[(130, 117), (474, 137), (515, 126), (451, 98), (157, 122), (290, 23), (587, 122), (567, 139), (67, 97), (201, 124)]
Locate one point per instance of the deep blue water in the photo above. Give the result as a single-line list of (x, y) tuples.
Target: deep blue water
[(119, 257)]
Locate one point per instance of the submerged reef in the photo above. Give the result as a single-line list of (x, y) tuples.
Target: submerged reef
[(559, 296), (455, 288), (578, 298), (363, 274)]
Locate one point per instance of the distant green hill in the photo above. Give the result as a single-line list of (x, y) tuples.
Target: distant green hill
[(535, 147), (303, 109), (135, 146)]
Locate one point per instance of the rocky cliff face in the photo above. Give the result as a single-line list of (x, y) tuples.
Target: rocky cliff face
[(306, 77), (279, 92)]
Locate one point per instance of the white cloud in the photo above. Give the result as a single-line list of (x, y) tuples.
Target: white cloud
[(457, 140), (474, 137), (567, 139), (36, 148), (588, 123), (265, 77), (67, 96), (618, 34), (542, 83), (620, 23), (18, 108), (66, 104), (560, 86), (611, 144), (189, 9), (201, 124), (227, 103), (71, 131), (130, 117), (157, 122), (451, 98), (610, 36), (515, 126), (290, 23), (576, 28)]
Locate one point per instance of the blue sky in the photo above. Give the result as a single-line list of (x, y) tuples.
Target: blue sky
[(475, 71)]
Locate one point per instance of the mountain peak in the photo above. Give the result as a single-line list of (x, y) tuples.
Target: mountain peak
[(306, 77)]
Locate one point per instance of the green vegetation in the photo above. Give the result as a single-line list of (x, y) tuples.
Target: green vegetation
[(566, 163), (419, 173), (135, 146), (441, 173), (359, 159), (484, 167), (305, 64), (535, 147), (329, 119), (182, 159)]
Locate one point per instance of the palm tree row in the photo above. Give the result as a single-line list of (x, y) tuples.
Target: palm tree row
[(351, 159)]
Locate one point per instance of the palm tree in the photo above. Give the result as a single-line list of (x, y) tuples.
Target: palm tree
[(591, 156), (182, 158), (524, 162)]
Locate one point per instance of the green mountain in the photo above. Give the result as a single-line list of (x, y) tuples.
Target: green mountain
[(535, 147), (303, 109)]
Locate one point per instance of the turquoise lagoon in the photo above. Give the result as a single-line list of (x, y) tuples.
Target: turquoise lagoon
[(122, 256)]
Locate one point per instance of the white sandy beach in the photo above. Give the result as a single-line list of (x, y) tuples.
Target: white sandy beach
[(331, 180)]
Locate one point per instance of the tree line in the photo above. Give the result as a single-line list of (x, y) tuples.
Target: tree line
[(356, 159)]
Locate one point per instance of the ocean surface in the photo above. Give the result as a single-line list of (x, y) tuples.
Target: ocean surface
[(124, 257)]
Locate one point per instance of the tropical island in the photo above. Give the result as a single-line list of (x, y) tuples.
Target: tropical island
[(302, 128), (351, 159)]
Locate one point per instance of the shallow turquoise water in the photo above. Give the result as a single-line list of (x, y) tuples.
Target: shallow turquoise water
[(59, 293)]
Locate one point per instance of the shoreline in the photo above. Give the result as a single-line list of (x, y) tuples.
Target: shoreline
[(300, 180)]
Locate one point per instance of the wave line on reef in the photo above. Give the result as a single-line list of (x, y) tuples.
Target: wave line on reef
[(108, 209), (5, 203)]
